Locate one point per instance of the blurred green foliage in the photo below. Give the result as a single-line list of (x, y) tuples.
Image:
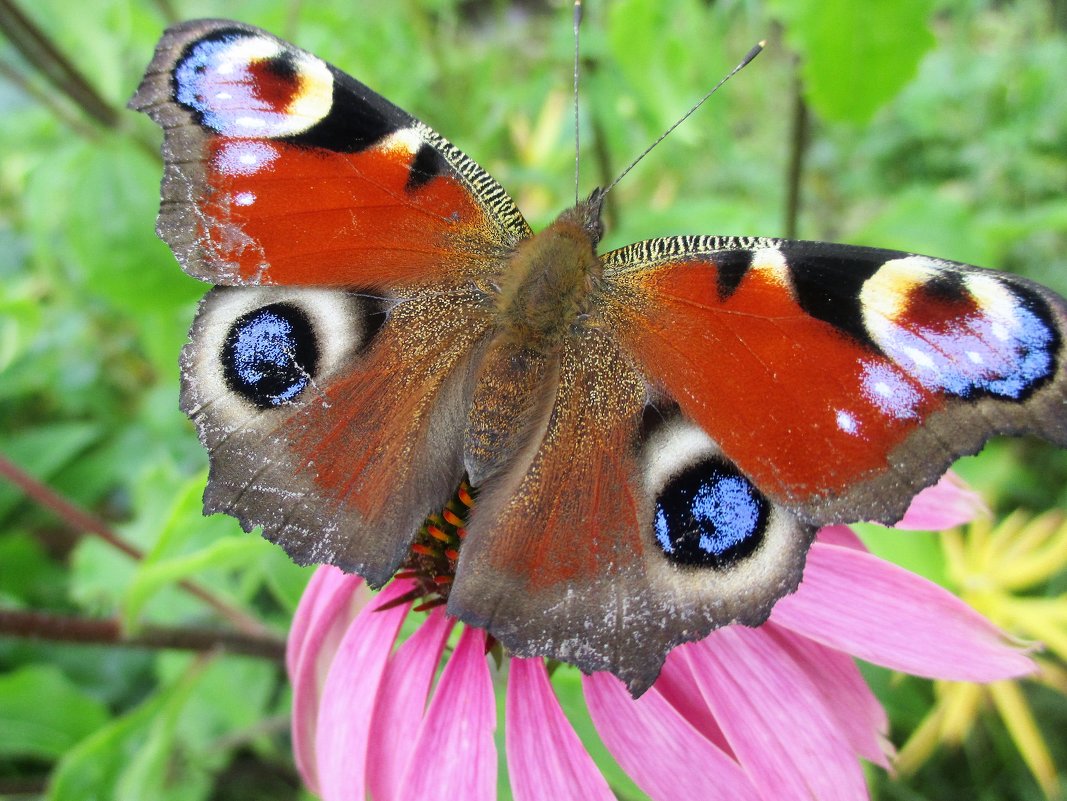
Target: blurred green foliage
[(936, 126)]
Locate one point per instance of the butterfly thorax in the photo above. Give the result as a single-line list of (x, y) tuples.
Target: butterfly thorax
[(547, 283)]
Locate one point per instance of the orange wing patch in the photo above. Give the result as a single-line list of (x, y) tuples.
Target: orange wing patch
[(800, 407), (279, 213)]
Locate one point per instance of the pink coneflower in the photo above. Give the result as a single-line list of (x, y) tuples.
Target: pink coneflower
[(778, 712)]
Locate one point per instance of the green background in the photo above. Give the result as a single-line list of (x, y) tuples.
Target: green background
[(935, 126)]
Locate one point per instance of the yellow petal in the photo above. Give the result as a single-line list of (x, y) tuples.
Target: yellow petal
[(922, 744), (961, 704), (1042, 620), (956, 555), (1024, 732), (1052, 675), (1042, 553), (1004, 536)]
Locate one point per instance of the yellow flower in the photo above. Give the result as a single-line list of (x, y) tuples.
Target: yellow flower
[(990, 567)]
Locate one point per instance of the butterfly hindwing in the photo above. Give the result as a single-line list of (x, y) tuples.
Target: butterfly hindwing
[(281, 169), (841, 380), (331, 420), (622, 531)]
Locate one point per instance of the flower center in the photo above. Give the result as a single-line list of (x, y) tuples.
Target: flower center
[(435, 551)]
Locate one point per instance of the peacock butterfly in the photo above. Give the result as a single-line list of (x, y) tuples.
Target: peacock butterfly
[(654, 433)]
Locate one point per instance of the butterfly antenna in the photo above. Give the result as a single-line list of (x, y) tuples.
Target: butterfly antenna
[(577, 54), (751, 54)]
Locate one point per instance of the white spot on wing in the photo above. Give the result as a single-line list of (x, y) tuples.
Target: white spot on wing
[(921, 359), (770, 263), (244, 158), (846, 422)]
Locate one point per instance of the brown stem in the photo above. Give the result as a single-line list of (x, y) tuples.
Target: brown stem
[(166, 8), (798, 147), (14, 788), (65, 628), (83, 522), (47, 99), (43, 54)]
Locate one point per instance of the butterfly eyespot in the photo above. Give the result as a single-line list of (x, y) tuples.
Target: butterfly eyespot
[(965, 334), (241, 84), (705, 513), (710, 516), (261, 349), (270, 355)]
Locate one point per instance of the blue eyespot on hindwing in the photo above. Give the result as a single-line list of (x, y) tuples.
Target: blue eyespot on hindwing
[(270, 355), (709, 515)]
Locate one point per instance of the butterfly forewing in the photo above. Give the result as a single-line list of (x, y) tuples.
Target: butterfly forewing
[(841, 380), (281, 169)]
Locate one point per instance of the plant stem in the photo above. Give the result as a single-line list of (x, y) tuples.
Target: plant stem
[(43, 54), (66, 628), (798, 147), (82, 522)]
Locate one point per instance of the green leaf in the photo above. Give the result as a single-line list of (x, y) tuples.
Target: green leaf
[(183, 541), (931, 223), (27, 575), (43, 713), (285, 578), (20, 323), (98, 574), (856, 54), (134, 758), (152, 577), (233, 694), (651, 42), (110, 226)]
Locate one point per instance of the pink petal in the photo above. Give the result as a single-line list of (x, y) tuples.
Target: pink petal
[(454, 755), (546, 760), (326, 609), (321, 591), (662, 752), (401, 705), (675, 684), (859, 715), (840, 535), (947, 504), (305, 611), (774, 718), (350, 694), (860, 604)]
